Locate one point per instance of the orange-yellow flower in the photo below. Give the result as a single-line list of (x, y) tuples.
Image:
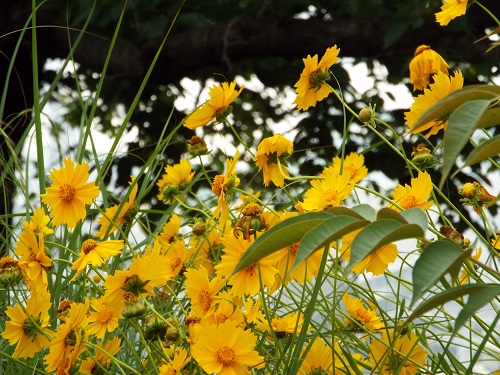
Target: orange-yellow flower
[(180, 359), (103, 356), (424, 63), (451, 9), (104, 318), (175, 179), (222, 186), (218, 107), (269, 152), (287, 324), (353, 165), (311, 87), (395, 354), (321, 359), (70, 193), (442, 86), (202, 291), (367, 318), (95, 253), (328, 192), (226, 350), (414, 195), (170, 230)]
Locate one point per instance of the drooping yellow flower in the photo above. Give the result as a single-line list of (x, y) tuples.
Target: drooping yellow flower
[(202, 291), (180, 359), (20, 329), (222, 186), (414, 195), (70, 193), (218, 107), (269, 151), (248, 280), (311, 87), (375, 262), (103, 356), (104, 318), (95, 253), (68, 343), (114, 216), (175, 179), (442, 86), (451, 9), (328, 192), (424, 63), (393, 354), (287, 324), (353, 165), (226, 350), (367, 318)]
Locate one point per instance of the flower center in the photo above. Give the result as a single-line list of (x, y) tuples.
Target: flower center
[(226, 355), (221, 318), (63, 366), (88, 246), (331, 197), (66, 192), (218, 185), (104, 316), (294, 247), (204, 300), (408, 201), (251, 269)]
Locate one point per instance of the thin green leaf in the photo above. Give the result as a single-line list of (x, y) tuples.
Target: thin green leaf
[(434, 262), (444, 297), (461, 125), (344, 211), (328, 231), (476, 300), (485, 150), (378, 234), (281, 235), (451, 102)]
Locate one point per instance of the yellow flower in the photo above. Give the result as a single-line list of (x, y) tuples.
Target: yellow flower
[(10, 271), (226, 310), (353, 165), (288, 324), (311, 87), (114, 216), (375, 262), (176, 256), (39, 221), (415, 195), (450, 10), (222, 186), (305, 271), (464, 275), (68, 343), (216, 108), (495, 241), (442, 86), (328, 192), (180, 359), (21, 328), (269, 151), (248, 280), (104, 353), (170, 230), (202, 291), (95, 253), (175, 179), (424, 63), (70, 193), (226, 349), (396, 355), (366, 317), (104, 318)]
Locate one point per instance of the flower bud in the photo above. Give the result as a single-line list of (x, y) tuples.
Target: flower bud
[(199, 228), (365, 115), (196, 146), (172, 334), (10, 271), (134, 307)]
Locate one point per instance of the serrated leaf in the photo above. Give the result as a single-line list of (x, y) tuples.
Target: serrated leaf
[(377, 234), (328, 231), (434, 262), (451, 102), (485, 150), (476, 300), (461, 125), (281, 235), (444, 297)]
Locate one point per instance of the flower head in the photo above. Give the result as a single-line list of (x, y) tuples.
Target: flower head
[(104, 318), (222, 186), (328, 192), (424, 63), (114, 216), (353, 165), (269, 151), (451, 9), (22, 329), (442, 86), (414, 195), (95, 253), (226, 350), (218, 107), (311, 87), (202, 291), (394, 354), (104, 353), (175, 179), (321, 359), (180, 359), (70, 193), (367, 318), (287, 324)]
